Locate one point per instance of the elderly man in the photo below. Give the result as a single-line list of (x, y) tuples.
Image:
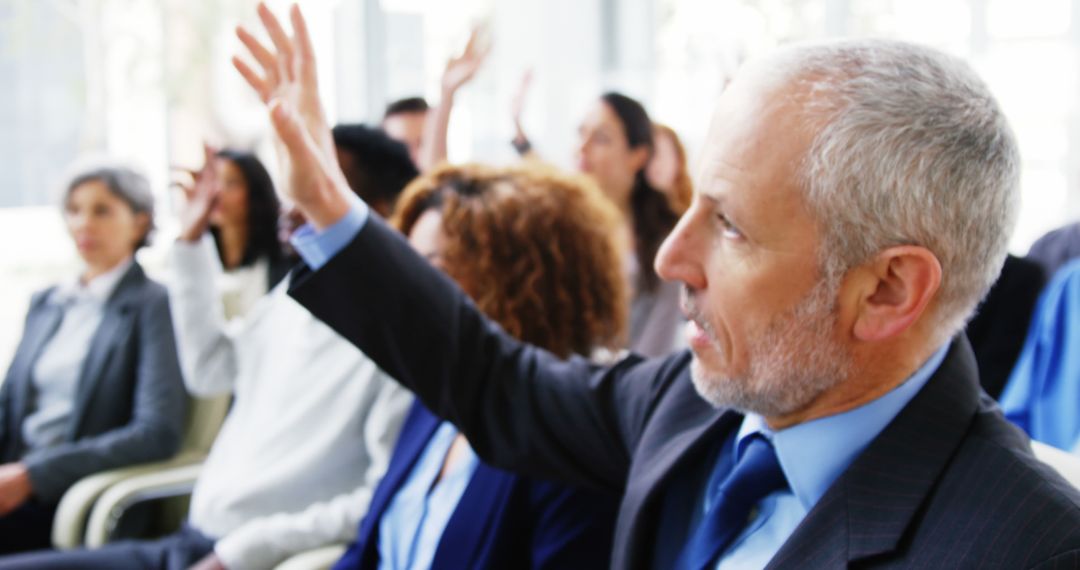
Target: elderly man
[(854, 205)]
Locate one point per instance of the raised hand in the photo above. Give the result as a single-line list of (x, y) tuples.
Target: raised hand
[(289, 86), (288, 71), (200, 196), (461, 69), (517, 105), (517, 108)]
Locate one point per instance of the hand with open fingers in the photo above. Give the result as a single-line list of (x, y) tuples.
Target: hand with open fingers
[(15, 487), (200, 196), (461, 69), (288, 70), (289, 86)]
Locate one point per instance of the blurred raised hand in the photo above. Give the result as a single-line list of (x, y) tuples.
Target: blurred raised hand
[(517, 109), (201, 192), (288, 84), (461, 69)]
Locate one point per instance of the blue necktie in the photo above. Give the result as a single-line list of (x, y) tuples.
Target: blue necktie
[(755, 475)]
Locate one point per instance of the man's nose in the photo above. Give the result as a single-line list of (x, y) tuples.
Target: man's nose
[(682, 255)]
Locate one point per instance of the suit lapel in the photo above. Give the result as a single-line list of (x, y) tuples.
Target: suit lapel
[(117, 319), (486, 496), (868, 509), (416, 432), (40, 328), (685, 428)]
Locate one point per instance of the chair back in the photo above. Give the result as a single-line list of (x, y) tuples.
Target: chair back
[(1066, 464)]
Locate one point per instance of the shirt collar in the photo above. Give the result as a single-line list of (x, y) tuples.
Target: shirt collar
[(813, 454), (98, 289)]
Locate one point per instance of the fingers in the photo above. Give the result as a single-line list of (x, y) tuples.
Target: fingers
[(474, 40), (209, 155), (280, 39), (303, 42), (261, 86), (478, 47), (264, 56), (266, 59)]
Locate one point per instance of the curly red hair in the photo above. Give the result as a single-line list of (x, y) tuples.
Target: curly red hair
[(534, 249)]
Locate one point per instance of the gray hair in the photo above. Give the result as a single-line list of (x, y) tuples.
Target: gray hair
[(913, 150), (124, 183)]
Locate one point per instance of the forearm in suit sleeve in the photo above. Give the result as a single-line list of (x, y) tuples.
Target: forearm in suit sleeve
[(157, 420), (520, 407)]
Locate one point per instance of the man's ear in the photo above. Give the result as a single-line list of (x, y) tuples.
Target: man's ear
[(892, 291)]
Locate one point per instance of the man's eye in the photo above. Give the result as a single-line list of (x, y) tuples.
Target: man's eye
[(729, 229)]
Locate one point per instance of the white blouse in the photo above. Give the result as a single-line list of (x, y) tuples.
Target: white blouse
[(55, 375)]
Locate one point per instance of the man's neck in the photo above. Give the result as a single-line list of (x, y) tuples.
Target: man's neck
[(877, 371)]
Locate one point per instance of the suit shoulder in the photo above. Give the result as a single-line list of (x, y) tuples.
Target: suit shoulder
[(999, 505), (144, 290)]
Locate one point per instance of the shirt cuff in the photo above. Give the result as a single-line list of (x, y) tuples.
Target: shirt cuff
[(316, 247)]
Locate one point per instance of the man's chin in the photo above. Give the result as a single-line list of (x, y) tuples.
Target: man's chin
[(709, 384), (727, 392)]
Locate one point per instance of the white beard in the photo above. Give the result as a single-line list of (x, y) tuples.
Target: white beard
[(793, 361)]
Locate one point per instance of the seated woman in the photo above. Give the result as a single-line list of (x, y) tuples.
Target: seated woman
[(535, 252), (243, 224), (95, 383), (615, 143)]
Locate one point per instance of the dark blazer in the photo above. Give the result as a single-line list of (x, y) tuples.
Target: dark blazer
[(130, 402), (948, 483), (502, 521)]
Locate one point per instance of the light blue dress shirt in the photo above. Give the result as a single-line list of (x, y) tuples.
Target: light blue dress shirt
[(812, 456), (317, 247), (1042, 395), (413, 523)]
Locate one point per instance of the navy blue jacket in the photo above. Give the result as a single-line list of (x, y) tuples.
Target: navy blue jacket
[(502, 521)]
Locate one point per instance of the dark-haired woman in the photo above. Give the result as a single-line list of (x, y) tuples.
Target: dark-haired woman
[(243, 225), (95, 383), (615, 144)]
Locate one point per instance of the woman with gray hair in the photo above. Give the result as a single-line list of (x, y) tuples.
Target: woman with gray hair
[(95, 383)]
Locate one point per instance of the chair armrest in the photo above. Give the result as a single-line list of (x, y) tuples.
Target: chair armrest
[(317, 559), (69, 525), (172, 482)]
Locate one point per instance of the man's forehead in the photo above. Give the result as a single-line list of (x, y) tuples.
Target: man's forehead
[(756, 128)]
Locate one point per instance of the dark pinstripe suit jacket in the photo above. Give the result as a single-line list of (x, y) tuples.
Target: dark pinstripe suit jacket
[(948, 484)]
